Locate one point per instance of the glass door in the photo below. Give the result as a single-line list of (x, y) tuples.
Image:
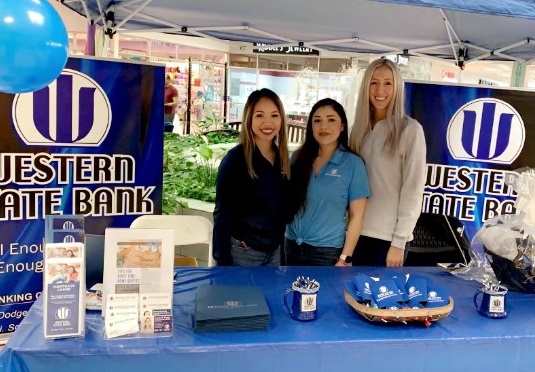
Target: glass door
[(207, 93)]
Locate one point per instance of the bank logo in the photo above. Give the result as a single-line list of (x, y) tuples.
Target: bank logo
[(68, 225), (487, 130), (69, 239), (73, 110), (233, 303), (63, 313)]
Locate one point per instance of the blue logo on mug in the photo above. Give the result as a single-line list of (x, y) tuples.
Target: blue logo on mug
[(73, 110), (487, 130)]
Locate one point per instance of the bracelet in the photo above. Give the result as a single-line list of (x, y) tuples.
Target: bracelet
[(342, 261)]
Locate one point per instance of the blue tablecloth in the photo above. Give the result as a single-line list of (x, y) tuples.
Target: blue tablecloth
[(339, 340)]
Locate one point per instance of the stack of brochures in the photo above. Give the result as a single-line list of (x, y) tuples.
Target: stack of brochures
[(64, 276), (220, 308)]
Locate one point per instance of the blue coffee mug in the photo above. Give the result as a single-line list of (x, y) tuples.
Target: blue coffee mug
[(304, 303), (493, 302)]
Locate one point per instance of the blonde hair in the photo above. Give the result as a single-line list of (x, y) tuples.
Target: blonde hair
[(247, 135), (395, 117)]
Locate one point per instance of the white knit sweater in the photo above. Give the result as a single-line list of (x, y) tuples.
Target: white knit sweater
[(396, 183)]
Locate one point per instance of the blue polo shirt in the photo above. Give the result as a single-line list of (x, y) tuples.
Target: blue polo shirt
[(340, 181)]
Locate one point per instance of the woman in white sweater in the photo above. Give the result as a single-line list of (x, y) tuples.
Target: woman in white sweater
[(394, 150)]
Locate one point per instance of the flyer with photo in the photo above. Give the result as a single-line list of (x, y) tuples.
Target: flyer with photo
[(156, 310), (63, 290), (138, 261)]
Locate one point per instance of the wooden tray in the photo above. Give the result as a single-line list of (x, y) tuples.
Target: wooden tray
[(400, 316)]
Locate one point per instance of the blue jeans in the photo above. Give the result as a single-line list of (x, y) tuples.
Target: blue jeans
[(246, 256), (308, 255)]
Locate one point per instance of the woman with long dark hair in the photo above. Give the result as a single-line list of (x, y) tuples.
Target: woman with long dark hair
[(329, 181), (252, 187)]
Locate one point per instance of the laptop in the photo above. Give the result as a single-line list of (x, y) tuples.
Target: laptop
[(94, 259)]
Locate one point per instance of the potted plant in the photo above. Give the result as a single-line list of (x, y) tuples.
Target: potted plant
[(190, 166)]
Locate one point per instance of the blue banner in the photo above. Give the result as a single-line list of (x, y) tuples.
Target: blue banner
[(475, 141), (91, 143)]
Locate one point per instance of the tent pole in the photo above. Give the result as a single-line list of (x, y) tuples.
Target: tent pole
[(450, 30)]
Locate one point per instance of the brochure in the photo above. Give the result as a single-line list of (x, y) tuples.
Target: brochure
[(138, 261), (122, 313), (156, 310), (63, 288)]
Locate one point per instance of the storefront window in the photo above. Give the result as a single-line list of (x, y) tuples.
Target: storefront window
[(133, 49), (529, 78), (273, 62), (241, 83), (207, 92), (298, 90), (159, 49), (77, 43), (242, 60), (496, 73), (297, 63), (334, 64)]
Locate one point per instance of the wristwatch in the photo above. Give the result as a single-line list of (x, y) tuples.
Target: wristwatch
[(345, 258)]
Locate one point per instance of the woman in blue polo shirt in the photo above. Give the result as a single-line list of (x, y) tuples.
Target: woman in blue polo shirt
[(328, 180)]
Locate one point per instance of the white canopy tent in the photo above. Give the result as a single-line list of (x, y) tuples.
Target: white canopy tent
[(461, 31)]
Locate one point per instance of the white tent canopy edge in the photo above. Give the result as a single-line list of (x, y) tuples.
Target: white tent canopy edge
[(457, 31)]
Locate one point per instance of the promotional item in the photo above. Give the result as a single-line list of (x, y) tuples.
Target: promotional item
[(386, 294), (304, 303), (363, 286), (493, 301), (226, 308), (417, 289), (437, 297)]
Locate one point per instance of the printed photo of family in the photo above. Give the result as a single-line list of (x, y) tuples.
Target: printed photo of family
[(68, 251), (63, 273)]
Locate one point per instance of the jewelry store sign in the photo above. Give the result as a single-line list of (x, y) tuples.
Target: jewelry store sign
[(293, 50)]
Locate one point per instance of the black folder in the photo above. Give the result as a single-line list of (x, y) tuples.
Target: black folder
[(220, 308)]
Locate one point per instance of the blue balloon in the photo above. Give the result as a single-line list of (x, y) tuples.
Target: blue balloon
[(34, 45)]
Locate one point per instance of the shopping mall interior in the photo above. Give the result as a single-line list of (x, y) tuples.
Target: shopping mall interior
[(218, 71)]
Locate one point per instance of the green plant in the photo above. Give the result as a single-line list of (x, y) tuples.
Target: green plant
[(190, 167)]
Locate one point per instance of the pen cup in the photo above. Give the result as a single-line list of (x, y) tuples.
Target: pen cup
[(304, 303), (493, 302)]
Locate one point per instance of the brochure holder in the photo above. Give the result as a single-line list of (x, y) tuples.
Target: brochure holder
[(138, 282), (64, 277)]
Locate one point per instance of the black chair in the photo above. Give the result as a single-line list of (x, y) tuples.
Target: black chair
[(438, 238)]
